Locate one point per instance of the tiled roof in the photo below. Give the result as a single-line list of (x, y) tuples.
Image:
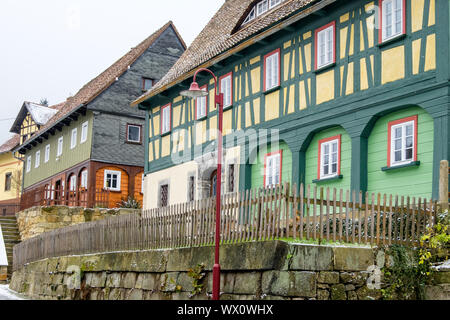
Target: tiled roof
[(218, 37), (10, 144), (99, 84)]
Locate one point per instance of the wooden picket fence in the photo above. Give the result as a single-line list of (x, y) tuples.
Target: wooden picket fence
[(294, 214)]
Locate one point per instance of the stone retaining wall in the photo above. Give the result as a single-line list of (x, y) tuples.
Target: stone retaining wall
[(252, 271), (34, 221)]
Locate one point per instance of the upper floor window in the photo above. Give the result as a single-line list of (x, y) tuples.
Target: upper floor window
[(37, 162), (84, 131), (226, 88), (272, 169), (147, 84), (402, 137), (112, 180), (74, 137), (28, 164), (60, 146), (201, 106), (325, 45), (47, 153), (272, 63), (8, 180), (329, 157), (260, 8), (392, 19), (134, 133), (166, 114)]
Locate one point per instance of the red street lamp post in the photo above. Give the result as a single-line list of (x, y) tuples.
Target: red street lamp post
[(195, 92)]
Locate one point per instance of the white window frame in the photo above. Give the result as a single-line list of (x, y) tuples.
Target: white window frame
[(404, 147), (73, 183), (47, 154), (73, 138), (59, 151), (393, 22), (119, 180), (325, 46), (28, 164), (272, 171), (142, 183), (262, 7), (201, 105), (166, 119), (272, 70), (84, 179), (329, 157), (128, 133), (84, 132), (37, 159), (226, 88)]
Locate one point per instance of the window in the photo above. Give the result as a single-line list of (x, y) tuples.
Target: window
[(231, 178), (84, 131), (164, 195), (329, 157), (226, 87), (402, 136), (47, 153), (84, 179), (191, 189), (201, 106), (325, 45), (60, 146), (272, 169), (134, 133), (112, 180), (166, 114), (37, 161), (73, 183), (29, 164), (260, 8), (142, 183), (392, 19), (147, 84), (272, 70), (8, 180), (74, 137)]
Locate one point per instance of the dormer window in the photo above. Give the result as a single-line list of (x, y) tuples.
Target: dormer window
[(147, 84), (260, 8)]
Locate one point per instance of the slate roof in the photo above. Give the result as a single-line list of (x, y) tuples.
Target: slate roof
[(9, 145), (102, 82), (222, 33)]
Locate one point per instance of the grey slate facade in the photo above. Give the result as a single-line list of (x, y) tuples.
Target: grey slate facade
[(112, 110)]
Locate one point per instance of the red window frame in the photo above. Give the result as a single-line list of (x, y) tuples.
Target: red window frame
[(279, 67), (316, 44), (280, 152), (319, 161), (396, 122), (229, 74), (380, 31), (170, 118), (143, 83), (195, 102)]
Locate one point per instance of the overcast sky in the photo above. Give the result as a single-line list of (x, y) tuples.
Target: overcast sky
[(51, 48)]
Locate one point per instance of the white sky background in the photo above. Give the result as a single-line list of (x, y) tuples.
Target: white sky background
[(51, 48)]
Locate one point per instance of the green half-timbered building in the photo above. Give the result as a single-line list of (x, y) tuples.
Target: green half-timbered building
[(358, 91)]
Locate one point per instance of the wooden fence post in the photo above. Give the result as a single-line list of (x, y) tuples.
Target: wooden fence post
[(443, 185)]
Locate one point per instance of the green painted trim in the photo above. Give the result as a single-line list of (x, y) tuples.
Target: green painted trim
[(339, 177), (409, 165), (272, 90), (391, 41), (325, 68)]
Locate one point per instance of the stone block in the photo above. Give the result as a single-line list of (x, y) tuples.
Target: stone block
[(98, 280), (441, 277), (227, 281), (169, 282), (353, 259), (338, 292), (134, 294), (147, 281), (186, 282), (116, 294), (437, 292), (328, 277), (128, 280), (355, 278), (323, 294), (365, 293), (289, 284), (311, 258), (247, 283), (351, 295)]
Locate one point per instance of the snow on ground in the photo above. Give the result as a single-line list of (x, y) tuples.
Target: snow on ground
[(8, 294)]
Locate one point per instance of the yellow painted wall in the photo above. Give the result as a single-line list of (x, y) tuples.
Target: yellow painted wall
[(8, 164)]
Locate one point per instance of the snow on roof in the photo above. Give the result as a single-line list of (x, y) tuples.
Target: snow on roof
[(3, 257), (40, 114)]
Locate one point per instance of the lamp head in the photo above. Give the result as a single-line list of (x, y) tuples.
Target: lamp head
[(194, 91)]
